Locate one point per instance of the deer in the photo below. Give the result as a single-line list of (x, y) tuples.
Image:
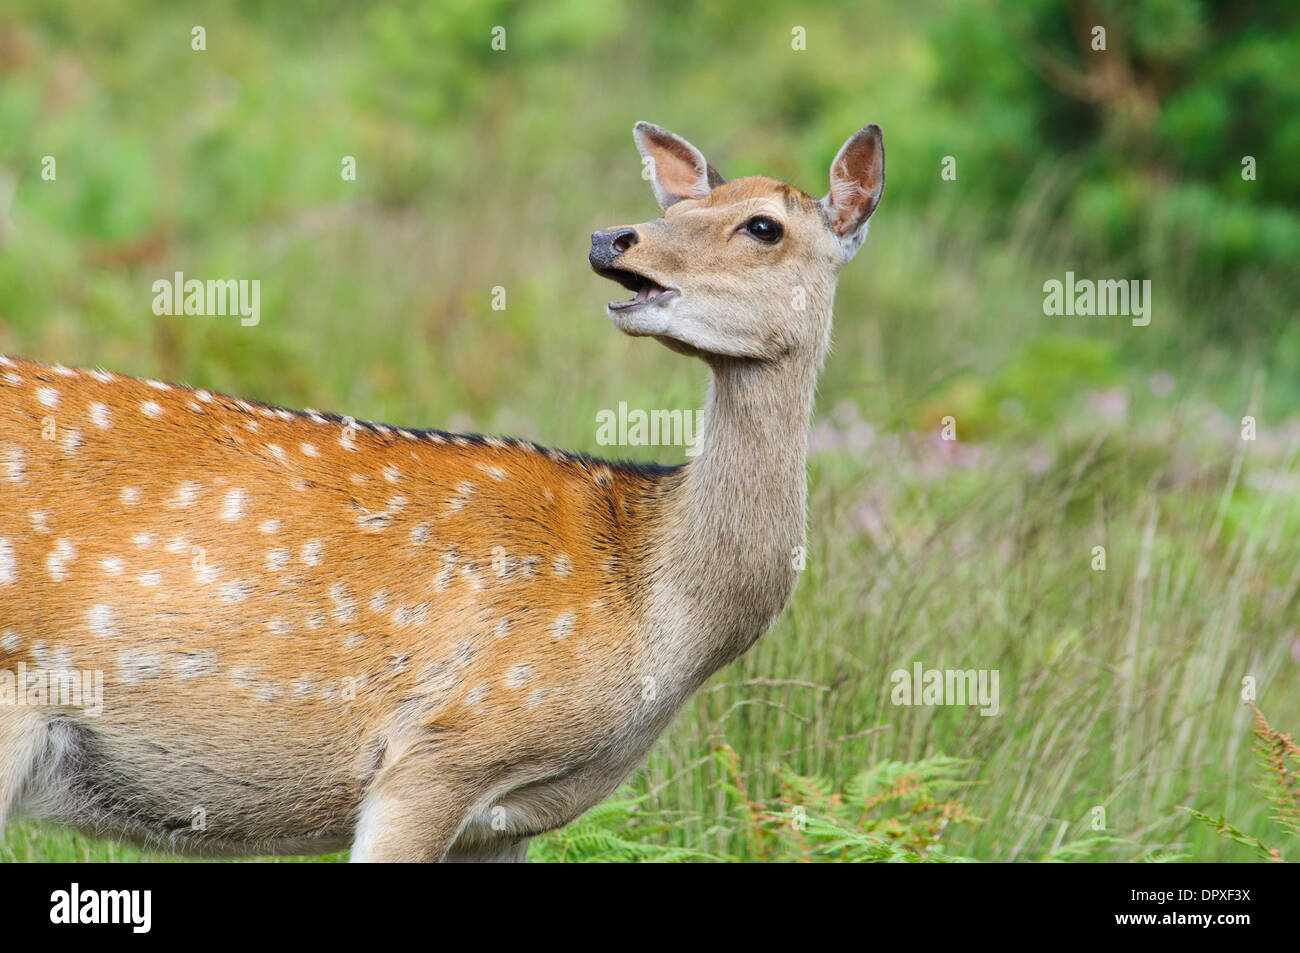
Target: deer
[(315, 633)]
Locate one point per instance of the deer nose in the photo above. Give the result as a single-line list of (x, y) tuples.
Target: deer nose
[(606, 246)]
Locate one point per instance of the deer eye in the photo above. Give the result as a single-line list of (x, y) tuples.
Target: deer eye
[(764, 229)]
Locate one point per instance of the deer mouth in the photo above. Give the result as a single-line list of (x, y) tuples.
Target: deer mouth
[(647, 290)]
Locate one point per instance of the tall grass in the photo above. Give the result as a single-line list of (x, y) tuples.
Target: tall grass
[(1121, 688)]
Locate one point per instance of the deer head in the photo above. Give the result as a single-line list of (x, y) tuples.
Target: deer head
[(742, 269)]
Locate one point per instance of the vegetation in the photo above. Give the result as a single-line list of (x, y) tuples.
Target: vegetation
[(1279, 766), (1121, 687)]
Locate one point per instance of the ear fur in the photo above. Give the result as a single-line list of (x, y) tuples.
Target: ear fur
[(677, 169), (857, 181)]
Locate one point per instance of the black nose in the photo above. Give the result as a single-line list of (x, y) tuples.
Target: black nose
[(607, 246)]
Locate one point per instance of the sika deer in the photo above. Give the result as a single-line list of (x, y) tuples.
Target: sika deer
[(314, 632)]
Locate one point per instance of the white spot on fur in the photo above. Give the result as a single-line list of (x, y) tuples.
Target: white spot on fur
[(70, 441), (233, 508), (57, 659), (102, 622), (15, 465), (41, 521), (470, 571), (563, 626), (517, 675), (345, 604), (130, 495), (411, 615), (236, 591), (562, 566), (138, 666), (277, 559), (114, 566), (57, 561), (269, 527), (8, 563), (195, 664), (151, 409), (48, 396), (150, 579), (186, 494), (10, 641), (100, 416), (447, 573), (311, 552), (310, 450)]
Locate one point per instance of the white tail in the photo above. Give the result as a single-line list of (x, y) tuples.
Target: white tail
[(314, 632)]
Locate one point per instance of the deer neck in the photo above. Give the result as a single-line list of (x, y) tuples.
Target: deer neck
[(729, 530)]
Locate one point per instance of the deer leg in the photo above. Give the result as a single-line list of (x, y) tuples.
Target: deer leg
[(411, 814), (22, 737)]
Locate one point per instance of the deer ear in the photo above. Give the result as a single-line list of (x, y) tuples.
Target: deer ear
[(857, 179), (677, 169)]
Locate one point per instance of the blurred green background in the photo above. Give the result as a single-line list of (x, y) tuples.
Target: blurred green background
[(479, 168)]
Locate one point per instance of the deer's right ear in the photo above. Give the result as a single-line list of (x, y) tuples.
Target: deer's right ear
[(857, 179), (676, 168)]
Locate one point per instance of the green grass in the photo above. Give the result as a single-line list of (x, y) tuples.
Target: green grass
[(1120, 689)]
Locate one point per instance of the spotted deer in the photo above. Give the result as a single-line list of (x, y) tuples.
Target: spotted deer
[(314, 632)]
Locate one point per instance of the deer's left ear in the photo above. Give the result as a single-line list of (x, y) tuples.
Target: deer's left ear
[(677, 169), (857, 179)]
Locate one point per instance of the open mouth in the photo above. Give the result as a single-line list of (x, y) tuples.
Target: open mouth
[(646, 290)]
